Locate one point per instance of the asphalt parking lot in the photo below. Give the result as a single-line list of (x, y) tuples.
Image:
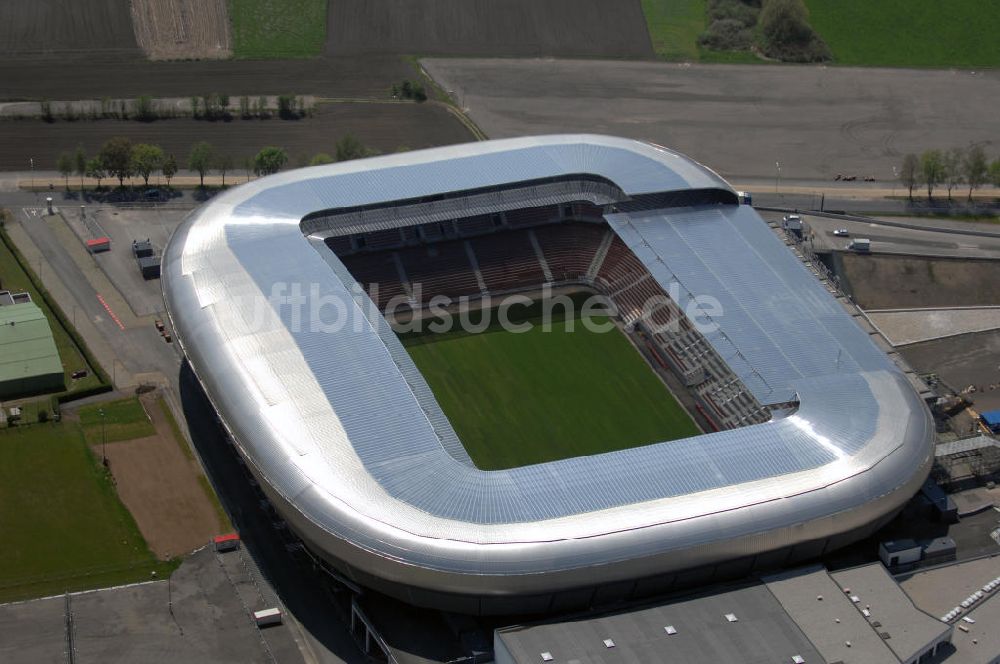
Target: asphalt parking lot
[(201, 614), (745, 121), (123, 226)]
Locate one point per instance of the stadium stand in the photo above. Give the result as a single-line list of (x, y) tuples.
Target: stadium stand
[(570, 248), (507, 261), (441, 268)]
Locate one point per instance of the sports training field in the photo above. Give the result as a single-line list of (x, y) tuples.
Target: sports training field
[(517, 399), (62, 524)]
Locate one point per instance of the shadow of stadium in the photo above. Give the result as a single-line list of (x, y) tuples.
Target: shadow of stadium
[(299, 586)]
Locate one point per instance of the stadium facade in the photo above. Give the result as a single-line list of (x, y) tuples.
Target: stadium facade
[(821, 438)]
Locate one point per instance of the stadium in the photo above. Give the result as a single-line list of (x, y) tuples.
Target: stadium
[(426, 467)]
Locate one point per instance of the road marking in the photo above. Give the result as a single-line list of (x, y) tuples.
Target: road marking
[(114, 317)]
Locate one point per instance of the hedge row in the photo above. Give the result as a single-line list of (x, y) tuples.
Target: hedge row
[(63, 322)]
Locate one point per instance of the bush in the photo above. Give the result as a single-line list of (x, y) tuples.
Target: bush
[(732, 10), (46, 106), (726, 35), (784, 33), (410, 90)]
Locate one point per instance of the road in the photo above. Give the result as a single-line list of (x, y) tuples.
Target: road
[(897, 240)]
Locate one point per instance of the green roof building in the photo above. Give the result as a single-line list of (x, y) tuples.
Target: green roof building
[(29, 360)]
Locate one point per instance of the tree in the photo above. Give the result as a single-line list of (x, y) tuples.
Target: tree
[(931, 170), (975, 169), (169, 167), (96, 170), (146, 159), (200, 160), (80, 163), (995, 172), (64, 164), (144, 110), (269, 160), (223, 164), (321, 158), (908, 172), (952, 161), (286, 107), (350, 147), (116, 156)]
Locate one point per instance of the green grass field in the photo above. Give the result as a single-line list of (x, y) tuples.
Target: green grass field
[(901, 33), (520, 399), (278, 28), (123, 420), (15, 279), (63, 526), (674, 26)]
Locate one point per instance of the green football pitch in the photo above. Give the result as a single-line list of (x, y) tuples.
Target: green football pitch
[(517, 399)]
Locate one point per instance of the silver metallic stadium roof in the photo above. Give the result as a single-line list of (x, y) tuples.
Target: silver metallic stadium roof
[(351, 444)]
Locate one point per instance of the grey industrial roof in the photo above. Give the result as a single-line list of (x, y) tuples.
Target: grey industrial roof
[(965, 445), (803, 612), (979, 642), (344, 427), (763, 633), (911, 631), (830, 623)]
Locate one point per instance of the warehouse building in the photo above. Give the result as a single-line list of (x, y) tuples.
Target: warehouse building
[(29, 361)]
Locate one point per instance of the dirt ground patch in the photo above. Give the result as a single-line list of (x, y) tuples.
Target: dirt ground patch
[(177, 29), (163, 488), (893, 282), (961, 361), (56, 28), (131, 78), (515, 28), (385, 127)]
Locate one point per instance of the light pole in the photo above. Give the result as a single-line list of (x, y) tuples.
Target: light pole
[(777, 175), (895, 176), (31, 164)]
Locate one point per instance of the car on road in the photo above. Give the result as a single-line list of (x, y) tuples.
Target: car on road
[(842, 232)]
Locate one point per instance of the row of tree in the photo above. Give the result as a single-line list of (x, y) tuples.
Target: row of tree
[(120, 158), (950, 169), (204, 107)]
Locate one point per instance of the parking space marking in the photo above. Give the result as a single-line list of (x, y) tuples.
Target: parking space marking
[(114, 317)]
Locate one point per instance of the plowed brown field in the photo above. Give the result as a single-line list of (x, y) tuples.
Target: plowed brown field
[(130, 78), (514, 28), (176, 29), (78, 29)]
